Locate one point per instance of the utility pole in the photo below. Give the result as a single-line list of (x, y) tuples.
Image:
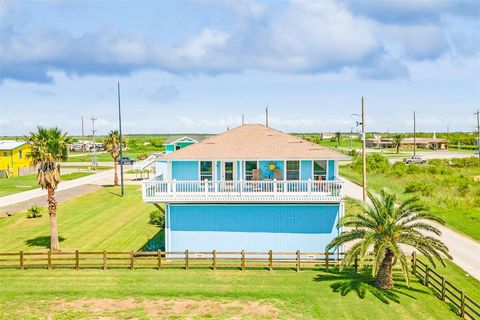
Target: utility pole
[(351, 136), (83, 140), (94, 159), (121, 139), (478, 131), (243, 119), (364, 154), (266, 116), (414, 135)]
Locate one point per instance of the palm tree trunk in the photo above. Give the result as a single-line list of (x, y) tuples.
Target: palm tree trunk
[(384, 276), (115, 178), (52, 211)]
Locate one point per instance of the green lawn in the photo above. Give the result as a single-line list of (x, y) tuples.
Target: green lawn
[(142, 294), (446, 198), (99, 220), (18, 184), (104, 220)]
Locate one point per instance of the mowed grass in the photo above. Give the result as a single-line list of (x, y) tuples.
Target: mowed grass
[(305, 295), (445, 200), (99, 220), (24, 183), (104, 220)]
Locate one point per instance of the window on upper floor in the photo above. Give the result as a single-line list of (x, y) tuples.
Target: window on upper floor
[(206, 170), (320, 170), (5, 153), (20, 154), (293, 170), (249, 167)]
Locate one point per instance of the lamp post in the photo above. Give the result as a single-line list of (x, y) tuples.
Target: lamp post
[(364, 154)]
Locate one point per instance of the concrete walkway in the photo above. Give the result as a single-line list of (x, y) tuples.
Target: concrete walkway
[(465, 251), (97, 178)]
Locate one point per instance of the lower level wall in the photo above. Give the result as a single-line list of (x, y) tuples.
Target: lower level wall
[(236, 227)]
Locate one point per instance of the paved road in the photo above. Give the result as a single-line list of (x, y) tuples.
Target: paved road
[(64, 185), (41, 201), (436, 155), (465, 251)]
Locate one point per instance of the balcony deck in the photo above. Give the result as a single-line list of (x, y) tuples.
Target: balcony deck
[(307, 191)]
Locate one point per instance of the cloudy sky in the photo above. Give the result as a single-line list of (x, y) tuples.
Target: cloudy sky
[(197, 66)]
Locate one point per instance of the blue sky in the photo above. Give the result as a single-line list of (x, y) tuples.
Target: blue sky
[(197, 66)]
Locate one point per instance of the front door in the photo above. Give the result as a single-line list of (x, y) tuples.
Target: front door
[(228, 171)]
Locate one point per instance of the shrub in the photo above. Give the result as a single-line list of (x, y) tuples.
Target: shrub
[(157, 218), (418, 186), (142, 156), (399, 169), (34, 212)]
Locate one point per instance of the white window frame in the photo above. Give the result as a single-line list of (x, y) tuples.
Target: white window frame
[(245, 167), (200, 170), (299, 169), (313, 168)]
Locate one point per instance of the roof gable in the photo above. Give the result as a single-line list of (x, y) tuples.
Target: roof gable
[(256, 142), (11, 144)]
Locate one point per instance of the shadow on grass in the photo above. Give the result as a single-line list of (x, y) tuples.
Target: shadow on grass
[(155, 243), (42, 241), (362, 283)]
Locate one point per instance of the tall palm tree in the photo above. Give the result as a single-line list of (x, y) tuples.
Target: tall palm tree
[(49, 147), (397, 139), (383, 226), (112, 145), (338, 136)]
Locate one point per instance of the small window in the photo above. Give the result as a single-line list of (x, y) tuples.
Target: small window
[(320, 170), (177, 147), (4, 153), (293, 170), (249, 167), (206, 170), (20, 154)]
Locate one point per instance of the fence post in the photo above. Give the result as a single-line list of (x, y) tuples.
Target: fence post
[(21, 260), (326, 261), (298, 260), (104, 260), (355, 266), (462, 304), (270, 260), (186, 259), (427, 268), (49, 258), (77, 260), (131, 260), (214, 260), (159, 257), (414, 262), (243, 260), (443, 288)]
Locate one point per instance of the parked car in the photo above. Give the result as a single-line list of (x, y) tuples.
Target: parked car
[(415, 160), (126, 160)]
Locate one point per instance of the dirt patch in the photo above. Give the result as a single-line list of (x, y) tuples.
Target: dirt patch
[(160, 308)]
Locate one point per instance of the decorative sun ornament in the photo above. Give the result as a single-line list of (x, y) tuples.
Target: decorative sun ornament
[(271, 166)]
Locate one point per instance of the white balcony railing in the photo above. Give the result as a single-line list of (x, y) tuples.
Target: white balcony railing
[(242, 191)]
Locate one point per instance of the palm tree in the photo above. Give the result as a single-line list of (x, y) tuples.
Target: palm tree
[(112, 145), (49, 147), (338, 136), (384, 226), (397, 139)]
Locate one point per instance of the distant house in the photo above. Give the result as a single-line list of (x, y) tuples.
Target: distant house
[(426, 143), (174, 143), (250, 188), (327, 135), (380, 143), (13, 158)]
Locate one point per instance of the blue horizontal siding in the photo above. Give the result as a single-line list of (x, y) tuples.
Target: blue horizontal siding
[(185, 170), (331, 170), (306, 169), (251, 227)]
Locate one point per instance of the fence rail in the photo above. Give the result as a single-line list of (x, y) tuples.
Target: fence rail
[(464, 306), (168, 259)]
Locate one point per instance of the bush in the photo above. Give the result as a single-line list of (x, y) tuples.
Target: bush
[(418, 186), (34, 212), (157, 218)]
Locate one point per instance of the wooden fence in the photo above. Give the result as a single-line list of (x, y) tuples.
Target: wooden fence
[(187, 259), (463, 305)]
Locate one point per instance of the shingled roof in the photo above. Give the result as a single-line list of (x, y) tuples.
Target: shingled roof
[(255, 142)]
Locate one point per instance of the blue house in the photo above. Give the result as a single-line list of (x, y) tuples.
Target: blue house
[(251, 188)]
